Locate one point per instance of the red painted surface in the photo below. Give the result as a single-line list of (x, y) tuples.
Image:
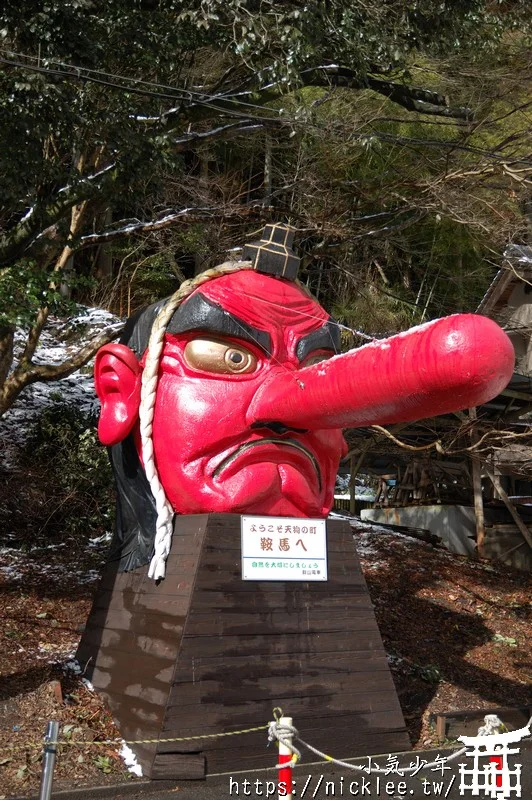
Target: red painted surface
[(208, 456), (218, 444), (499, 762), (285, 777), (446, 365)]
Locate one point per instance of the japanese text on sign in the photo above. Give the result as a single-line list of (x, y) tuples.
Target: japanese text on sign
[(284, 549)]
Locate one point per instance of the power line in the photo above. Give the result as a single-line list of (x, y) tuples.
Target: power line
[(79, 73), (85, 74)]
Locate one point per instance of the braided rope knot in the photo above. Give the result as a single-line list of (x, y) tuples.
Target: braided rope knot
[(150, 378), (278, 732)]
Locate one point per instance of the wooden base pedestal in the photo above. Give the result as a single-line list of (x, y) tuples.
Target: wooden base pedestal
[(205, 652)]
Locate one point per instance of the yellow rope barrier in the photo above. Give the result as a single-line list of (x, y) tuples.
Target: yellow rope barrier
[(108, 742)]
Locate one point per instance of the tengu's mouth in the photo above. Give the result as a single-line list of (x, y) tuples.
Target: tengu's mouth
[(290, 443)]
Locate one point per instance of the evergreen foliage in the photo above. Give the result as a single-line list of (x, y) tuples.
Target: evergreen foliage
[(142, 139), (76, 471)]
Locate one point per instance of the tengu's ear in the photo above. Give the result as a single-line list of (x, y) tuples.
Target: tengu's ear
[(117, 375)]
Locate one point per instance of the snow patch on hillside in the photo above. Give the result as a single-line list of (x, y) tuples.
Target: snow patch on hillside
[(60, 340)]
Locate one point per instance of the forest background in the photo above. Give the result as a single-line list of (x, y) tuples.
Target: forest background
[(141, 141)]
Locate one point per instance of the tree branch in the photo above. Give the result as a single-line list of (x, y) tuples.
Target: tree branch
[(21, 378), (192, 138), (7, 336), (412, 98), (34, 335), (193, 214), (44, 214)]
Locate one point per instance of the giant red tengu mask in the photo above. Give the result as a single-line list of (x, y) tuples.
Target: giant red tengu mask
[(245, 396)]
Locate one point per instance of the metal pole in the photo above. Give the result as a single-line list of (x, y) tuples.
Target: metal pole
[(48, 760), (285, 755)]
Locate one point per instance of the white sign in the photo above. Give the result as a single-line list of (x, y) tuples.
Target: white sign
[(284, 549)]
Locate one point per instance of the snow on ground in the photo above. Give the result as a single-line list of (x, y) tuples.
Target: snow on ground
[(374, 541), (20, 563), (60, 339), (130, 760)]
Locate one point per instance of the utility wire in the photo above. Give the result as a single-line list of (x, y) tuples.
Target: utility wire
[(79, 73), (210, 101)]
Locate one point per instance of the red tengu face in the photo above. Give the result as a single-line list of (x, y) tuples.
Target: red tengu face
[(221, 345)]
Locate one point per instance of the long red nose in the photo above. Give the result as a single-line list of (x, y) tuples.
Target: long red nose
[(442, 366)]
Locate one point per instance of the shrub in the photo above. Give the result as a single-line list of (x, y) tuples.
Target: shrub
[(64, 452)]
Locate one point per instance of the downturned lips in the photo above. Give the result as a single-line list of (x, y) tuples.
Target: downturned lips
[(284, 443)]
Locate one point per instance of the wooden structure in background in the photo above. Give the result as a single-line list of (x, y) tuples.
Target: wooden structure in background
[(205, 652), (497, 480)]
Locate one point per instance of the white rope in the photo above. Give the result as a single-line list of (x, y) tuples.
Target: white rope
[(150, 378), (283, 734), (379, 770), (492, 725)]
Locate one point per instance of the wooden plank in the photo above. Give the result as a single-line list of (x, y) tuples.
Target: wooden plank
[(126, 644), (251, 601), (250, 751), (510, 506), (108, 660), (142, 720), (178, 767), (230, 548), (476, 474), (327, 664), (275, 688), (451, 724), (379, 706), (300, 620), (279, 598), (207, 646), (212, 582), (150, 670), (177, 586), (277, 623), (167, 604), (130, 642), (350, 744), (128, 600), (245, 646), (141, 686), (128, 582), (385, 743), (351, 605), (230, 571), (312, 726), (146, 672), (142, 624)]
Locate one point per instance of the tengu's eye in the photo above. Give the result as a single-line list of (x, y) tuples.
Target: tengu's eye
[(226, 358), (316, 358)]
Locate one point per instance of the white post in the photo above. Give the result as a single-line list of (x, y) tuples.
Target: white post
[(285, 755)]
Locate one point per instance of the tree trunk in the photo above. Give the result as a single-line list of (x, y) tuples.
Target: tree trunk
[(6, 352), (104, 259)]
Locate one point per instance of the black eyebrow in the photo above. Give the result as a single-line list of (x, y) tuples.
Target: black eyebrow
[(200, 314), (325, 338)]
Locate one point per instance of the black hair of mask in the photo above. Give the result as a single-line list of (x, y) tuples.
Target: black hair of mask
[(273, 254)]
